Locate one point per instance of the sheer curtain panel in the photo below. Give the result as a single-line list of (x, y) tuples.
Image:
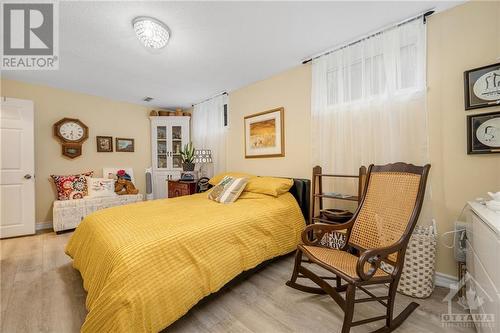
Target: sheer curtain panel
[(368, 102), (208, 131)]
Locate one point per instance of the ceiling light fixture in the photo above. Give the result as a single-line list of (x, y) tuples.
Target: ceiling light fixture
[(151, 32)]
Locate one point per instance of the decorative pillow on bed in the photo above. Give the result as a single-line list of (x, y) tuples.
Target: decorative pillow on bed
[(269, 185), (217, 178), (71, 187), (101, 187), (228, 189)]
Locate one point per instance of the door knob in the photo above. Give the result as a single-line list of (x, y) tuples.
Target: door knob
[(27, 176)]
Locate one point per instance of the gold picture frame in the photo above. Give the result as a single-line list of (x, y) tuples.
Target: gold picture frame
[(104, 144), (265, 134), (125, 145)]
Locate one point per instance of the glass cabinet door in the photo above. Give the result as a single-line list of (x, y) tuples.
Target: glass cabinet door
[(161, 147), (176, 146)]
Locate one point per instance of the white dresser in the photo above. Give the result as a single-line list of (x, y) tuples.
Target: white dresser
[(483, 264), (168, 137)]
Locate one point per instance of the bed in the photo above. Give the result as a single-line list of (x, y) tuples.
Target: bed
[(145, 265)]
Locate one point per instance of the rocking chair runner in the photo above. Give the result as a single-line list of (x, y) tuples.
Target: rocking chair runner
[(380, 230)]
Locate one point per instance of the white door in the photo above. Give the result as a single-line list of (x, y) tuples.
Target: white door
[(17, 166)]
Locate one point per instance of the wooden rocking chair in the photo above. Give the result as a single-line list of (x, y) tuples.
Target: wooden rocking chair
[(380, 230)]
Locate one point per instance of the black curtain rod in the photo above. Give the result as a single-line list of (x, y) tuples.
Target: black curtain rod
[(424, 16), (206, 99)]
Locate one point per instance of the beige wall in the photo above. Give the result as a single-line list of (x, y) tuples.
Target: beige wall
[(462, 38), (465, 37), (291, 90), (102, 116)]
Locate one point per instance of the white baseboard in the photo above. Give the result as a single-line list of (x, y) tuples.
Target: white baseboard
[(444, 280), (43, 226)]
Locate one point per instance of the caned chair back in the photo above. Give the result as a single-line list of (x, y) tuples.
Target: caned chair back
[(387, 210)]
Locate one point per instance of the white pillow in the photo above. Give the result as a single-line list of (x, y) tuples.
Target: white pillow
[(100, 187), (113, 171)]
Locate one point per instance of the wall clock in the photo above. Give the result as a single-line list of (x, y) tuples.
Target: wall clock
[(71, 133)]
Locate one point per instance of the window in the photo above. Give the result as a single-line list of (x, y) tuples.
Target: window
[(381, 66)]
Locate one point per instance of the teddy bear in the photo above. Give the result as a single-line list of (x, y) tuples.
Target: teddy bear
[(123, 186), (123, 183)]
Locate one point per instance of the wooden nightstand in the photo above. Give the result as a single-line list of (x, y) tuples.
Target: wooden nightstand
[(178, 188)]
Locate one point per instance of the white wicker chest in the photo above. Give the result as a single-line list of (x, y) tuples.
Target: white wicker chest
[(67, 214)]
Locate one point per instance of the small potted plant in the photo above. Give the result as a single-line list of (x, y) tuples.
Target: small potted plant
[(187, 155)]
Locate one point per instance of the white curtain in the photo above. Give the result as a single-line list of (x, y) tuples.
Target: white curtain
[(208, 131), (368, 102), (369, 106)]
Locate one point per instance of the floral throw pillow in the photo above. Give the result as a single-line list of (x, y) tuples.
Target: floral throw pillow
[(72, 187)]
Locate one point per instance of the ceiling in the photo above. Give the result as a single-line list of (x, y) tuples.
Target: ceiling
[(214, 47)]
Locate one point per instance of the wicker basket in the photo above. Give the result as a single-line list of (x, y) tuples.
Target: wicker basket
[(417, 278)]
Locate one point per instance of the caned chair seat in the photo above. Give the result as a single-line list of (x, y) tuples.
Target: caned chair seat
[(340, 260)]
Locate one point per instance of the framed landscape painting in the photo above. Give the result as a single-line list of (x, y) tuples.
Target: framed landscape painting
[(265, 134), (124, 145)]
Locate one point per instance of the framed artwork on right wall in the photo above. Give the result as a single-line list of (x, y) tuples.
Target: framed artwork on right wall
[(482, 87), (483, 133)]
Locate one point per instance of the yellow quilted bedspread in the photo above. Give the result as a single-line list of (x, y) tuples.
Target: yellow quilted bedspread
[(145, 265)]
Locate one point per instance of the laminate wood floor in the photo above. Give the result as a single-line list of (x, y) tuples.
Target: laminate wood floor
[(42, 292)]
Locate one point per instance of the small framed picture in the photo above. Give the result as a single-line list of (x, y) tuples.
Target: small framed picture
[(124, 145), (265, 134), (71, 150), (483, 133), (482, 87), (104, 144)]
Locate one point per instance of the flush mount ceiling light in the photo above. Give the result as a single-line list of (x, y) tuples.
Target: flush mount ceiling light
[(151, 32)]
